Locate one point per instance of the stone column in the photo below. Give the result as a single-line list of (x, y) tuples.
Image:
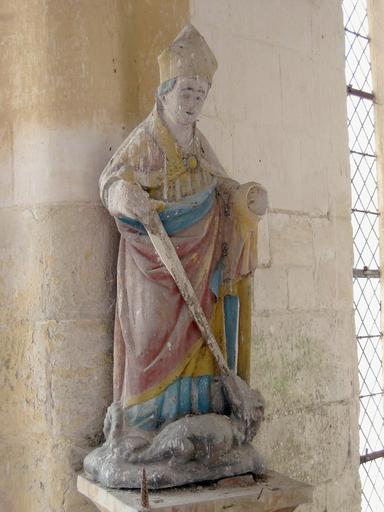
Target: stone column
[(69, 94)]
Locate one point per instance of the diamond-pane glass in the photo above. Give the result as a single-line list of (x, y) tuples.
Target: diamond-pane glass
[(365, 224), (361, 125), (364, 183), (358, 61), (366, 294), (371, 384), (365, 240), (372, 482), (355, 16)]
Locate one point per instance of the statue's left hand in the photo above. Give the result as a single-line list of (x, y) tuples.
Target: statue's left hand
[(249, 200), (257, 198)]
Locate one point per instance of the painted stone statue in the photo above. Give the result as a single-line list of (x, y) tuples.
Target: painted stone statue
[(182, 406)]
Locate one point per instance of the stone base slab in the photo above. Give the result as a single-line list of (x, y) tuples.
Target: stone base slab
[(270, 493)]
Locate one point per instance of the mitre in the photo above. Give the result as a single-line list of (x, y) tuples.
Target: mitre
[(188, 55)]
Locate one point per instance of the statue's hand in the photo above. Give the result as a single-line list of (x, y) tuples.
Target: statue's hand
[(159, 206), (250, 198), (130, 200), (257, 199), (121, 200)]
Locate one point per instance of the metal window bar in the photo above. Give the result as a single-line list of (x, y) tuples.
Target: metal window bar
[(366, 271)]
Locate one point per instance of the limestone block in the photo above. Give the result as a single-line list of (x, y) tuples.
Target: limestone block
[(76, 344), (58, 478), (327, 34), (83, 56), (36, 478), (319, 500), (324, 240), (55, 376), (216, 12), (261, 67), (78, 357), (6, 170), (291, 240), (13, 478), (80, 154), (221, 135), (332, 239), (346, 501), (19, 384), (312, 445), (152, 33), (225, 96), (335, 160), (271, 290), (313, 175), (297, 93), (257, 155), (278, 160), (344, 276), (236, 104), (274, 22), (301, 288), (332, 496), (79, 263), (74, 414), (296, 358), (263, 244), (57, 262), (340, 190), (20, 268), (325, 283), (326, 102)]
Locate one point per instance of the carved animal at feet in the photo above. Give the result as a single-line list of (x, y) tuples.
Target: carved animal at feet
[(205, 436), (194, 437)]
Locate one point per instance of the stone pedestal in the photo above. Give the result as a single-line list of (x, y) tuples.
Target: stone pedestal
[(272, 493)]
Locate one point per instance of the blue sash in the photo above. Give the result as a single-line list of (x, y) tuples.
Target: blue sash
[(181, 215)]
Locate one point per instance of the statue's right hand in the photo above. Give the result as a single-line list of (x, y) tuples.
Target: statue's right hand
[(128, 200), (157, 205)]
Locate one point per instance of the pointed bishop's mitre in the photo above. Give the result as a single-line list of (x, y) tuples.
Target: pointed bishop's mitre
[(188, 55)]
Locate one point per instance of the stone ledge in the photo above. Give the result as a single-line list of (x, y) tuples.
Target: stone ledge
[(272, 493)]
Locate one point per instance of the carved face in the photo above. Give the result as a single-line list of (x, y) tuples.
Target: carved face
[(185, 101)]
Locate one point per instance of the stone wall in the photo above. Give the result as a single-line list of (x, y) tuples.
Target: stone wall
[(76, 77), (75, 80), (276, 114)]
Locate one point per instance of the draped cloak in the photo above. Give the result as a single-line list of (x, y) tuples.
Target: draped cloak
[(162, 367)]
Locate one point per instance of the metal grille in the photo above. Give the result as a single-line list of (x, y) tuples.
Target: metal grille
[(366, 271)]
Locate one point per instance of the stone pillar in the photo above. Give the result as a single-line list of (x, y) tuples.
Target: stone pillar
[(277, 114), (69, 94)]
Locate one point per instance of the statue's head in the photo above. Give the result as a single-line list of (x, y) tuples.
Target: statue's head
[(186, 67), (183, 98)]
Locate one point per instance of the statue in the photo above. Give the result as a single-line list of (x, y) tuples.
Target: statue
[(182, 406)]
